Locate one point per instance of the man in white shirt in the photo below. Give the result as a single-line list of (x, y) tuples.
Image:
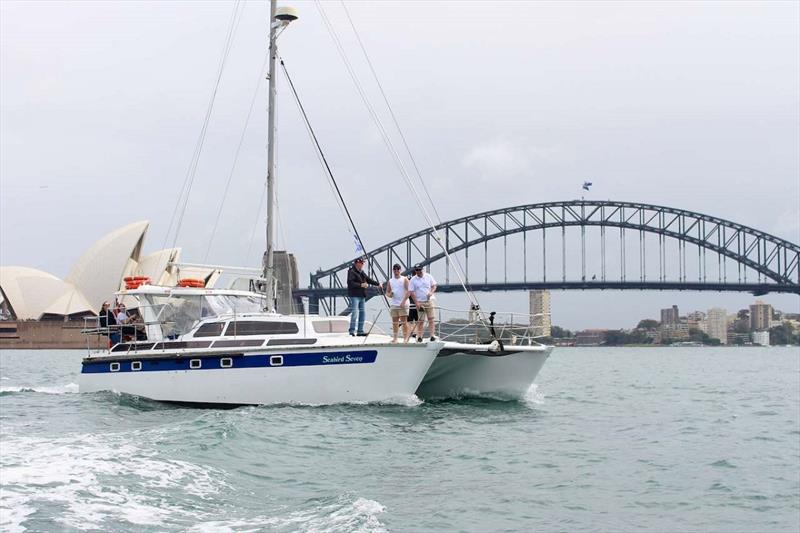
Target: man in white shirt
[(422, 287)]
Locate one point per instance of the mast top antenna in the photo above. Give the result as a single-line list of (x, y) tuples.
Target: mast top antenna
[(286, 14)]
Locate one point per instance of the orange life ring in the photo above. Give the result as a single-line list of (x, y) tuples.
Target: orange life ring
[(190, 282), (136, 281)]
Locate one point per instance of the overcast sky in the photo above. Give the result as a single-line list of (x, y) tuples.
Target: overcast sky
[(689, 105)]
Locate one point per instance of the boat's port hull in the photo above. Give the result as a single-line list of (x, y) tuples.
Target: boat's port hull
[(313, 376), (460, 372)]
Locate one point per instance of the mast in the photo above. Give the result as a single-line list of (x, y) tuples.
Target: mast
[(278, 20), (269, 255)]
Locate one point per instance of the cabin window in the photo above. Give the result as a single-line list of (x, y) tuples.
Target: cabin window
[(226, 362), (211, 329), (275, 360), (195, 363), (331, 326), (114, 367), (251, 327), (239, 343), (136, 365)]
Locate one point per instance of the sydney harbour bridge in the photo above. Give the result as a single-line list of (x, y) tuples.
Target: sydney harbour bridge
[(580, 245)]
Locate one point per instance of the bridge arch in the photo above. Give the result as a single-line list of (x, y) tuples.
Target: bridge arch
[(773, 258)]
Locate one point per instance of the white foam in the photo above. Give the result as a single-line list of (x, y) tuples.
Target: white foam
[(74, 472), (69, 388), (343, 516), (533, 396)]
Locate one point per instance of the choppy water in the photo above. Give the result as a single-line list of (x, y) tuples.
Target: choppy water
[(669, 439)]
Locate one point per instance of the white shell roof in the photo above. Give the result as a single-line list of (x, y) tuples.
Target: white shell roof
[(156, 266), (33, 293), (98, 272)]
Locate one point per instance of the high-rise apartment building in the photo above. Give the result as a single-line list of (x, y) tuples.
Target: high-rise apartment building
[(540, 313), (717, 324), (669, 316), (760, 316)]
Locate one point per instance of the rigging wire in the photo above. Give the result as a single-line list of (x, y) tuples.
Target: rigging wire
[(322, 154), (393, 152), (327, 167), (183, 197), (235, 158), (342, 209), (391, 111)]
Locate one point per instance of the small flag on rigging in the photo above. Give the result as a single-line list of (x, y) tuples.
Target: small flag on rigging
[(586, 185), (359, 248)]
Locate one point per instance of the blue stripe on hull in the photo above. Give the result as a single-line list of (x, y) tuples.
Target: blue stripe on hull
[(238, 360)]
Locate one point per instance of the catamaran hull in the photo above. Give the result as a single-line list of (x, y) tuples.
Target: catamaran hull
[(313, 377), (462, 372)]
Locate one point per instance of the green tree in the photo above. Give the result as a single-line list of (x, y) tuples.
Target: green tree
[(616, 337), (783, 334), (557, 332), (700, 336), (648, 323)]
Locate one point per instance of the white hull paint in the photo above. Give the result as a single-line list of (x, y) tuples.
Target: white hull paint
[(393, 376), (472, 370)]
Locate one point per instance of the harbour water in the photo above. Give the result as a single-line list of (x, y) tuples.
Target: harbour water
[(622, 439)]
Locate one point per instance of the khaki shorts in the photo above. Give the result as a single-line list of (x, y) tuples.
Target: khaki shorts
[(426, 309), (398, 311)]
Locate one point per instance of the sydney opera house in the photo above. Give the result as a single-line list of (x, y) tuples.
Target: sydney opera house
[(29, 295)]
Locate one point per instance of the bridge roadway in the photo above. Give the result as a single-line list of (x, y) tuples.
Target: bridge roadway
[(756, 289)]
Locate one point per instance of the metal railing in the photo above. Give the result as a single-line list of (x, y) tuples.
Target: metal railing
[(458, 325)]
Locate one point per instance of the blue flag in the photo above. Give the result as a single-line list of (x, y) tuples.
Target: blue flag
[(359, 248)]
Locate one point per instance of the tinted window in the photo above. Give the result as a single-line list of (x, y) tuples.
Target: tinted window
[(290, 342), (331, 326), (175, 345), (238, 343), (212, 329), (247, 327)]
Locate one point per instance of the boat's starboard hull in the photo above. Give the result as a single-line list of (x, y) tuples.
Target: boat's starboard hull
[(460, 372)]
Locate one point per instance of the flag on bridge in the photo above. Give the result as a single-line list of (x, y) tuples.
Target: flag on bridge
[(586, 185)]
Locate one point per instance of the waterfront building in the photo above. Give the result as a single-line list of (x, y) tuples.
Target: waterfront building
[(717, 324), (671, 332), (540, 313), (590, 337), (760, 337), (760, 316), (670, 315)]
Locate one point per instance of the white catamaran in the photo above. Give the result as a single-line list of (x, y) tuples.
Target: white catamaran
[(217, 346)]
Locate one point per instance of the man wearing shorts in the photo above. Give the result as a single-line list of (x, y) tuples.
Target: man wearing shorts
[(422, 287), (397, 292)]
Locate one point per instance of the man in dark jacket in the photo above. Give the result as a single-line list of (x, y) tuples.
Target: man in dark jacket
[(357, 283), (108, 322)]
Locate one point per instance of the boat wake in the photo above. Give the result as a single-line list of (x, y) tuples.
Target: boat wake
[(69, 388), (98, 480), (533, 396), (343, 514)]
